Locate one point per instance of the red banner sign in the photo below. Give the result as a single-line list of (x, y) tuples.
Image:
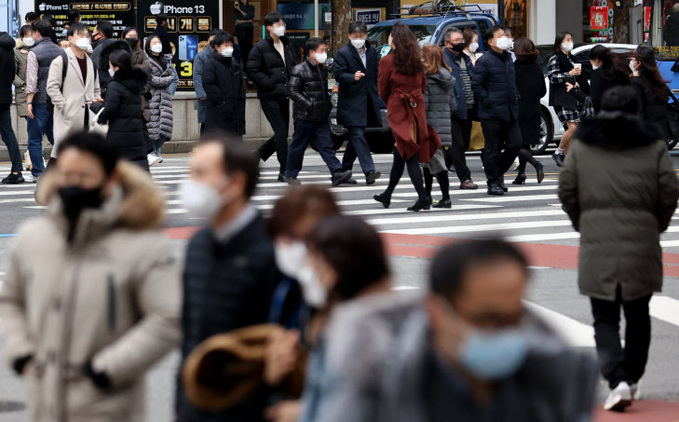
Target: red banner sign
[(598, 18)]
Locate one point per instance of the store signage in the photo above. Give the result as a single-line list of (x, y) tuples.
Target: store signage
[(369, 16), (598, 18), (120, 13)]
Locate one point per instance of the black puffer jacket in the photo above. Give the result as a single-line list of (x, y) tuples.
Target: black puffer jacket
[(123, 112), (494, 85), (223, 84), (6, 67), (265, 67), (654, 108), (309, 92)]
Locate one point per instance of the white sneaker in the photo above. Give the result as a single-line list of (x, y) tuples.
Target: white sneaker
[(29, 178), (619, 399), (635, 391), (153, 159), (160, 156)]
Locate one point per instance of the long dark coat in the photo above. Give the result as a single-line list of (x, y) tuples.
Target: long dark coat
[(531, 85), (223, 84), (358, 102), (620, 191), (406, 110)]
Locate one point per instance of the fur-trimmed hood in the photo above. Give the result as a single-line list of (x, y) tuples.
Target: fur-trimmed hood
[(134, 80), (137, 204), (617, 130), (106, 52)]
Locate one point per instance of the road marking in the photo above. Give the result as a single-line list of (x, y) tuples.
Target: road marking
[(574, 332), (665, 309), (425, 218), (500, 227), (510, 198)]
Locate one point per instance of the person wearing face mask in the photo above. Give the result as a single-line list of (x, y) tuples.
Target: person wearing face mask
[(561, 71), (311, 111), (160, 104), (230, 270), (358, 102), (461, 118), (23, 46), (609, 70), (467, 350), (140, 61), (269, 66), (73, 93), (96, 331), (223, 83), (7, 77), (651, 87), (102, 37), (122, 109), (198, 65), (494, 85), (471, 41)]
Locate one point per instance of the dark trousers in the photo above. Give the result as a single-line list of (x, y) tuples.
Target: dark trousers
[(277, 112), (305, 133), (9, 138), (244, 34), (462, 136), (618, 365), (358, 147), (414, 171), (503, 143)]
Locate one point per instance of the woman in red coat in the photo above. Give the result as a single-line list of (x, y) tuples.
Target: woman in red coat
[(402, 83)]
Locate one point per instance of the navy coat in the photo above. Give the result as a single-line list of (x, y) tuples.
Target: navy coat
[(460, 111), (358, 102), (494, 85)]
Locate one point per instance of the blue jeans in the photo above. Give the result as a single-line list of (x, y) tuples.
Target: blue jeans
[(39, 125), (9, 138), (305, 133), (358, 146)]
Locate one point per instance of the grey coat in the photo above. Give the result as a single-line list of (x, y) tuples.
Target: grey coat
[(440, 100), (160, 125), (198, 65), (381, 343), (620, 191), (20, 59)]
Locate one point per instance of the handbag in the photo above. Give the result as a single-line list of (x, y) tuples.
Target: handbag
[(98, 128)]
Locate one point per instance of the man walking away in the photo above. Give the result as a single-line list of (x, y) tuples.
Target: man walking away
[(230, 267), (269, 66), (463, 116), (103, 37), (39, 106), (7, 72), (311, 111), (494, 84), (73, 93), (358, 104), (198, 65)]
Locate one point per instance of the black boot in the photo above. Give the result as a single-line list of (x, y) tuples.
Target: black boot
[(420, 205), (540, 169), (384, 199), (520, 179)]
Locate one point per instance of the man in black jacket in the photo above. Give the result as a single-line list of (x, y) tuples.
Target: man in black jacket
[(103, 37), (8, 137), (311, 110), (269, 66), (358, 104), (494, 84), (230, 269)]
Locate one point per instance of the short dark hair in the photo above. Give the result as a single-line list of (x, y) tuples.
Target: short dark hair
[(237, 158), (272, 18), (77, 28), (559, 39), (127, 30), (621, 99), (31, 16), (93, 144), (490, 33), (72, 15), (105, 27), (121, 58), (313, 43), (161, 17), (452, 31), (355, 251), (214, 32), (358, 26), (299, 203), (42, 27), (449, 268), (24, 30), (220, 38)]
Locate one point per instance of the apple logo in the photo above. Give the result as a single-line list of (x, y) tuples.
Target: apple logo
[(42, 7), (156, 8)]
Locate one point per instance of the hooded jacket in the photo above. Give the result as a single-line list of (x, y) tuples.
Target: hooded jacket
[(160, 125), (102, 66), (620, 191), (110, 297), (20, 61), (440, 99)]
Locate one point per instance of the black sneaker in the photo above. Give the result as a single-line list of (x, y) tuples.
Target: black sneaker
[(13, 179), (495, 190), (282, 178), (372, 177), (558, 159), (340, 177)]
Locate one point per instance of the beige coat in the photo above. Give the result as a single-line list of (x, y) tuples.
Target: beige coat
[(20, 60), (112, 297), (70, 100)]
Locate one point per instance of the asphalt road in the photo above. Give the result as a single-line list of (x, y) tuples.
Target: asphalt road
[(529, 214)]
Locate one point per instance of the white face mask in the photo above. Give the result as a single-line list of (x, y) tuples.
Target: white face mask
[(315, 294), (473, 47), (504, 43), (227, 52), (279, 31), (201, 200), (358, 43), (567, 47), (291, 257), (111, 72), (633, 66), (157, 48), (321, 57), (82, 43)]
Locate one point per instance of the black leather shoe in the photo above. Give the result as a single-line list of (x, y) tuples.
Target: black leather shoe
[(444, 203), (383, 199), (372, 177), (282, 178), (559, 159), (520, 179), (502, 185), (340, 177), (420, 205), (541, 173), (496, 190)]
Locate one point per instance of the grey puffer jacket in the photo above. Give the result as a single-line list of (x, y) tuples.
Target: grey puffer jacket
[(160, 125), (440, 100)]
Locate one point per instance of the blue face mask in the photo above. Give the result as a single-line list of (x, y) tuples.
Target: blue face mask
[(493, 356)]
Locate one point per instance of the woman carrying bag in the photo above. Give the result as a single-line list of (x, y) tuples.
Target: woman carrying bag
[(122, 109)]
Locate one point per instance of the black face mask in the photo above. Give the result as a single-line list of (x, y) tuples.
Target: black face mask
[(75, 199), (132, 42), (458, 47)]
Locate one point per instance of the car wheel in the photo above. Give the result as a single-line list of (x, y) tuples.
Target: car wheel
[(546, 134), (380, 142), (673, 126)]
